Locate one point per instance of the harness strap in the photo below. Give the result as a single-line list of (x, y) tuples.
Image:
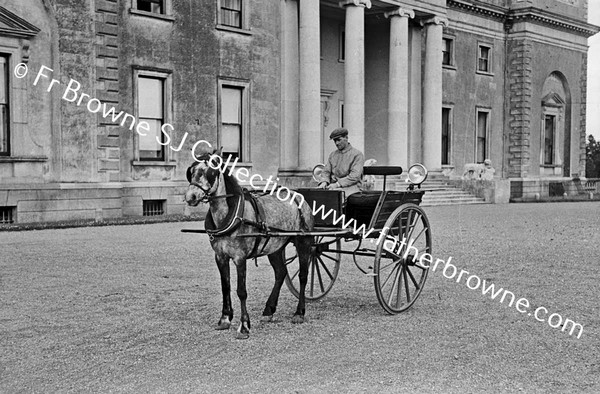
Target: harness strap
[(235, 222), (260, 224)]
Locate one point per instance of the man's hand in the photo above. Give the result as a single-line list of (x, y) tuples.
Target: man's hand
[(334, 186), (324, 185)]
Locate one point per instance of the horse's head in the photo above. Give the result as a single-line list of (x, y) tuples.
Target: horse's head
[(203, 176)]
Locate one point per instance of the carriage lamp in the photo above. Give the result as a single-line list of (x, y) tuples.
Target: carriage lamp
[(417, 174), (317, 171)]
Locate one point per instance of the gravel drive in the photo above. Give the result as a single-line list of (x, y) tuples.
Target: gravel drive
[(133, 308)]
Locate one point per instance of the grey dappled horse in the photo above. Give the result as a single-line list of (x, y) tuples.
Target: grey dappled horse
[(232, 213)]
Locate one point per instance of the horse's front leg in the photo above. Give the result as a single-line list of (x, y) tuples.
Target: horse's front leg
[(227, 313), (243, 331), (303, 247)]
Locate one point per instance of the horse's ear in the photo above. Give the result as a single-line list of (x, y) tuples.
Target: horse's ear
[(188, 174)]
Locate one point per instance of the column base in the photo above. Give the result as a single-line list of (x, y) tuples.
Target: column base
[(296, 177)]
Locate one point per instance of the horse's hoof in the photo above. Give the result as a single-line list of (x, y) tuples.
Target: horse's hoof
[(241, 335), (298, 319), (223, 326), (266, 319)]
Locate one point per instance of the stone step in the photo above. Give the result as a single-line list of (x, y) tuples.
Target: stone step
[(441, 203)]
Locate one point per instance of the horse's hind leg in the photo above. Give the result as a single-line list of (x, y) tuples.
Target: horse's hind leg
[(227, 313), (243, 331), (278, 263), (303, 246)]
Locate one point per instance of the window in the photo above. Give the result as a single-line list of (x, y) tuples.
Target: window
[(158, 9), (481, 136), (445, 136), (484, 57), (448, 52), (7, 215), (233, 119), (341, 122), (4, 107), (231, 13), (549, 133), (151, 110), (152, 105), (153, 207), (153, 6)]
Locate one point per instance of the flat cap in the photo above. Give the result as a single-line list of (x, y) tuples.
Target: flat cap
[(339, 132)]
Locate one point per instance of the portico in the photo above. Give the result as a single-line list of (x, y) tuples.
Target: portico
[(329, 70)]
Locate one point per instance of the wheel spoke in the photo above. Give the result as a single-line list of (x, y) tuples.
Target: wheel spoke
[(295, 274), (399, 294), (287, 261), (312, 276), (419, 235), (329, 257), (413, 279), (388, 278), (388, 265), (396, 285), (406, 286), (411, 229), (325, 268), (319, 274)]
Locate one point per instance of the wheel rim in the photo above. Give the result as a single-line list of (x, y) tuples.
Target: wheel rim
[(399, 278), (324, 264)]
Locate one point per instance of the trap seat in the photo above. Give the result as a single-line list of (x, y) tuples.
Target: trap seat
[(361, 206)]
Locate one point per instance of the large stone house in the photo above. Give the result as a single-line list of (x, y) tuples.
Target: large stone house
[(102, 101)]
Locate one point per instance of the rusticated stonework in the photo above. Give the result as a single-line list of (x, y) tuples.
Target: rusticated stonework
[(582, 114), (107, 85), (520, 82)]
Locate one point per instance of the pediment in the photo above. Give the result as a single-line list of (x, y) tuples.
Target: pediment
[(553, 100), (15, 26)]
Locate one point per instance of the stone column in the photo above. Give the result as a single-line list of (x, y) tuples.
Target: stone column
[(309, 143), (398, 88), (354, 71), (432, 94), (290, 69)]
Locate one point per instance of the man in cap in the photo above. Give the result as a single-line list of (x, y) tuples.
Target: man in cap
[(344, 168)]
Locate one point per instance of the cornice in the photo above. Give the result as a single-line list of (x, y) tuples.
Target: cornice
[(529, 14), (14, 26), (491, 11), (541, 17)]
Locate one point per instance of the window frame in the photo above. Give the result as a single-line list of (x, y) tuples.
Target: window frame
[(490, 48), (167, 13), (244, 19), (450, 110), (488, 113), (553, 140), (166, 77), (244, 86), (451, 62), (7, 57)]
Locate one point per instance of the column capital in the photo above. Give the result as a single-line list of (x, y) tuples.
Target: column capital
[(437, 20), (357, 3), (402, 12)]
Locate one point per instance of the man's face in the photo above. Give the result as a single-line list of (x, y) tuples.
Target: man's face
[(341, 142)]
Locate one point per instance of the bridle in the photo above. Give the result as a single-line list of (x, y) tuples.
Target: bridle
[(207, 193)]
